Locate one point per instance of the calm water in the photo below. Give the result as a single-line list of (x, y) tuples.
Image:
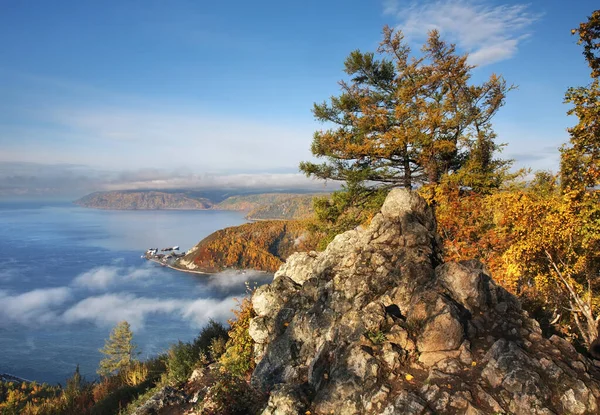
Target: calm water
[(69, 274)]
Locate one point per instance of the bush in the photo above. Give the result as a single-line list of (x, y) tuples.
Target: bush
[(376, 337), (181, 360), (119, 398), (217, 347), (231, 395), (238, 359), (105, 387), (213, 330), (135, 374)]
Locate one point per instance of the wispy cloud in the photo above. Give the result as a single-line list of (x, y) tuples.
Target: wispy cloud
[(105, 276), (33, 307), (142, 135), (66, 305), (490, 33), (74, 181), (107, 310), (228, 280)]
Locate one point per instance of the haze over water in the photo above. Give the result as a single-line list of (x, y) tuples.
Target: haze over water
[(69, 274)]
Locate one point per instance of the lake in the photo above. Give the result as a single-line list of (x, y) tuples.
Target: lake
[(69, 274)]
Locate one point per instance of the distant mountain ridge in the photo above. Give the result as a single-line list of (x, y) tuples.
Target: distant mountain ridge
[(143, 200), (262, 206)]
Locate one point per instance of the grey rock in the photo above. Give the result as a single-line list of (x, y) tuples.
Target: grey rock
[(286, 400), (377, 324)]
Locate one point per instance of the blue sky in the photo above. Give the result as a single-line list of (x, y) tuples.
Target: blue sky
[(132, 94)]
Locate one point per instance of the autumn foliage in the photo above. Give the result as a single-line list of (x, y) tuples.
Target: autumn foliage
[(260, 245), (401, 122)]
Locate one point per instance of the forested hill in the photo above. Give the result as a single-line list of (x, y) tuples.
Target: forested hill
[(271, 205), (260, 206), (261, 246), (142, 200)]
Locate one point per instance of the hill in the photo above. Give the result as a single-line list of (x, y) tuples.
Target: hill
[(143, 200), (261, 246), (259, 206), (266, 206)]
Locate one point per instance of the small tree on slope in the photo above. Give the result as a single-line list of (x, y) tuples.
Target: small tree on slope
[(119, 349)]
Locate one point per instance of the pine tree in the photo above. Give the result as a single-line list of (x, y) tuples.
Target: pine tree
[(402, 121), (580, 160), (119, 349)]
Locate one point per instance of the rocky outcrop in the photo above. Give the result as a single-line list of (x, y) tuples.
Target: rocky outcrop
[(165, 397), (377, 324)]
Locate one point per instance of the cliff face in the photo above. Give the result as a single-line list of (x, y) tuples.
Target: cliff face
[(377, 324), (260, 246), (143, 200)]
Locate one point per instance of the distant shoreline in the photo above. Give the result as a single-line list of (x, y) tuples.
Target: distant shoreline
[(189, 271), (159, 209), (5, 377), (162, 264)]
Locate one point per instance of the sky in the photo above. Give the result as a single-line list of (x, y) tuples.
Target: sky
[(102, 95)]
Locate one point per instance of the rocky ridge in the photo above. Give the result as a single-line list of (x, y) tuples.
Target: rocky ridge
[(377, 324)]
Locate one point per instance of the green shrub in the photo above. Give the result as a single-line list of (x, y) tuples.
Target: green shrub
[(135, 374), (119, 398), (231, 395), (213, 330), (181, 361), (183, 358), (238, 359), (376, 336), (217, 347)]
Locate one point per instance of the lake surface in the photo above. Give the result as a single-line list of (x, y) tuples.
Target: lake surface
[(69, 274)]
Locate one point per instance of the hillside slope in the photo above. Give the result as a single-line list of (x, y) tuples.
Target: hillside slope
[(260, 206), (293, 207), (142, 200), (260, 246), (266, 206)]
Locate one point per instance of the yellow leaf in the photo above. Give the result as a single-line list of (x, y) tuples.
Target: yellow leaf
[(409, 377)]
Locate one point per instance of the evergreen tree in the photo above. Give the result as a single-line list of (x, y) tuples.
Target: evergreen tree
[(580, 160), (402, 121), (119, 349)]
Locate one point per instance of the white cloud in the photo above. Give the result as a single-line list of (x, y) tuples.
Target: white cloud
[(105, 276), (32, 307), (100, 277), (200, 311), (489, 33), (47, 179), (213, 181), (139, 136), (107, 310), (235, 279)]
